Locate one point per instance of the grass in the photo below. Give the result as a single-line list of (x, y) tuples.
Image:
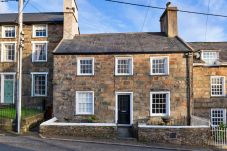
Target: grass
[(10, 112)]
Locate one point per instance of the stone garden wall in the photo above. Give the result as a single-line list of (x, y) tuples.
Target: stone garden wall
[(196, 136)]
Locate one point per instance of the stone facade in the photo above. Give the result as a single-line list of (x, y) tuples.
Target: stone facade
[(203, 101), (55, 34), (104, 83)]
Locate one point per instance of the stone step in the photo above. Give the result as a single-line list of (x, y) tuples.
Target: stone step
[(125, 132)]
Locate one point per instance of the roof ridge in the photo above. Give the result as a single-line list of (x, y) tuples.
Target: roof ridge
[(33, 13), (115, 33)]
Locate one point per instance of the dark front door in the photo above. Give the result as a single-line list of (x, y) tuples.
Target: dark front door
[(123, 109)]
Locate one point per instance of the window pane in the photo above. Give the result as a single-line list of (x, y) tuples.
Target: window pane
[(86, 66), (217, 117), (85, 102), (124, 66), (40, 52), (217, 86), (159, 66), (40, 30), (159, 103), (210, 57), (8, 52), (9, 31), (39, 85)]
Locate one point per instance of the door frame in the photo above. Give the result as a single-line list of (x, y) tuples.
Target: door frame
[(2, 74), (131, 107)]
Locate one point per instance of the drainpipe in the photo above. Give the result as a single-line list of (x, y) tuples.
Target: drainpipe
[(188, 89)]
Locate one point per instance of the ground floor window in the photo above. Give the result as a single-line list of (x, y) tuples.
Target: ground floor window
[(218, 116), (85, 102), (160, 103), (39, 84), (7, 81)]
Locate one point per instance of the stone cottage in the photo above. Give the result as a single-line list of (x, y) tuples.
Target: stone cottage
[(209, 81), (42, 33), (124, 78)]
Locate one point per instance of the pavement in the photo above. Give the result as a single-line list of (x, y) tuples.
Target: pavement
[(35, 143)]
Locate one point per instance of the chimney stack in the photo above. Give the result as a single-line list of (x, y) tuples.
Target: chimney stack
[(168, 21), (71, 27)]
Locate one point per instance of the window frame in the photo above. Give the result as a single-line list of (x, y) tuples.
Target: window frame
[(131, 66), (167, 104), (77, 104), (223, 86), (2, 49), (34, 30), (78, 66), (166, 66), (3, 31), (32, 84), (202, 56), (211, 117), (33, 50)]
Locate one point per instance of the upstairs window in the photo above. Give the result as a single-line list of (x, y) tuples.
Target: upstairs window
[(159, 65), (85, 66), (40, 30), (8, 52), (39, 84), (160, 103), (217, 86), (85, 102), (8, 31), (124, 66), (39, 52), (218, 116), (210, 57)]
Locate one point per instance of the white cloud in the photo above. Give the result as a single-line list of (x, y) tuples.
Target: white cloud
[(4, 8), (93, 20)]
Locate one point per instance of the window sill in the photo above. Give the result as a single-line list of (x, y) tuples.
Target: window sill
[(8, 37), (39, 61), (41, 96), (159, 74), (223, 96)]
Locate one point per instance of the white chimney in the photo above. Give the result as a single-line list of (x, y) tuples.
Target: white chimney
[(71, 27)]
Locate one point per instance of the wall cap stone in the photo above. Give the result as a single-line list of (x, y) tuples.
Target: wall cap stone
[(53, 122), (159, 126)]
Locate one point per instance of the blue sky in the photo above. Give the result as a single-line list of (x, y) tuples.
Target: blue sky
[(99, 16)]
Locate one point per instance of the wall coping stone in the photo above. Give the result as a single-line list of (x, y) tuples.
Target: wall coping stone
[(53, 122), (161, 126)]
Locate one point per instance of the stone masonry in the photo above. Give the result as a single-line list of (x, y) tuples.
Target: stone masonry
[(104, 84), (55, 34), (203, 101)]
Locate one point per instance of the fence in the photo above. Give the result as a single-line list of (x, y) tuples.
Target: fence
[(8, 114), (219, 136)]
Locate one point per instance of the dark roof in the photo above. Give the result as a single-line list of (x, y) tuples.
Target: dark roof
[(121, 43), (47, 17), (222, 46)]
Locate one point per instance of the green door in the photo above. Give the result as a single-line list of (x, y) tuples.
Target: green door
[(8, 89)]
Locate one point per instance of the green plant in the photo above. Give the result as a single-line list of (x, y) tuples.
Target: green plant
[(92, 119)]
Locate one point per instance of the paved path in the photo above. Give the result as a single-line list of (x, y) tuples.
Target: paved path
[(33, 143)]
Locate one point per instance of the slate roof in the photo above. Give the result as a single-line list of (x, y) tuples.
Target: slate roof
[(222, 46), (47, 17), (143, 42)]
